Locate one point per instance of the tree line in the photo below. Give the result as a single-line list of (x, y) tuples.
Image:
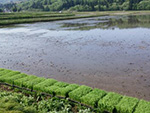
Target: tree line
[(82, 5)]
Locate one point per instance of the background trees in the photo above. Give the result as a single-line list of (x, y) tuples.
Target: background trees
[(83, 5)]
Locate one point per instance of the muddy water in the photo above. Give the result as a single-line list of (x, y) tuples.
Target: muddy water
[(110, 53)]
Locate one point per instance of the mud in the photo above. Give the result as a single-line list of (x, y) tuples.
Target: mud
[(111, 58)]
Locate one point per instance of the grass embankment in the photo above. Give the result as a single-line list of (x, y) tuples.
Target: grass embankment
[(30, 17), (98, 99)]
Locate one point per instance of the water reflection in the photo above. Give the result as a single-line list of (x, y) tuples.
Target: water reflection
[(109, 22)]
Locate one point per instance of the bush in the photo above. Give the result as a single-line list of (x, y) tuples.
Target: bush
[(93, 97), (126, 105), (79, 92), (42, 85), (143, 107), (109, 102), (64, 91)]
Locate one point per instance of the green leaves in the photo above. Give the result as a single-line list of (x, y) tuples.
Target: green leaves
[(79, 92), (4, 77), (40, 86), (65, 90), (126, 105), (109, 102), (143, 107), (93, 97)]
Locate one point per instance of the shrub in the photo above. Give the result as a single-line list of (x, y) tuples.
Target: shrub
[(20, 82), (143, 107), (79, 92), (109, 102), (126, 105), (64, 91), (93, 97), (46, 83), (9, 74)]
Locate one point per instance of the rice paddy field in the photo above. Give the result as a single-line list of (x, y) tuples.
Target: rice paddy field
[(99, 59)]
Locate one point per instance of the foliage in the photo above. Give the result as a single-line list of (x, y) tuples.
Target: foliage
[(84, 5), (20, 82), (109, 102), (4, 77), (143, 107), (126, 105), (65, 90), (93, 97), (40, 86), (11, 79), (18, 103), (79, 92), (31, 82)]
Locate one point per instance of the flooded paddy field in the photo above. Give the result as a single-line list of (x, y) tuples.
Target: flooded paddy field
[(109, 52)]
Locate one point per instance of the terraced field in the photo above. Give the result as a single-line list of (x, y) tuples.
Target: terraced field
[(95, 98)]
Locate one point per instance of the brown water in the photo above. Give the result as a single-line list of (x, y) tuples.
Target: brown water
[(110, 52)]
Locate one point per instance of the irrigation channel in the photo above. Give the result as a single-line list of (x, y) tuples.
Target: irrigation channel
[(108, 52)]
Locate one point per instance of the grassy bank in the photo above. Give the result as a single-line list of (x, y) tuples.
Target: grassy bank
[(31, 17), (98, 99)]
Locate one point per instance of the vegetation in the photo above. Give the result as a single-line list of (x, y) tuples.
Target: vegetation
[(78, 5), (12, 102), (143, 107), (126, 105), (98, 99), (93, 97), (30, 17), (79, 92), (109, 102)]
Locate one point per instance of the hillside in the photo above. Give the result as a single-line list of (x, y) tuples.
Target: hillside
[(85, 5)]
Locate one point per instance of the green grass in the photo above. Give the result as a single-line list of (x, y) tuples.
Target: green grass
[(11, 79), (127, 105), (4, 77), (52, 89), (40, 86), (3, 72), (30, 83), (143, 107), (65, 90), (20, 82), (109, 102), (93, 97), (79, 92)]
